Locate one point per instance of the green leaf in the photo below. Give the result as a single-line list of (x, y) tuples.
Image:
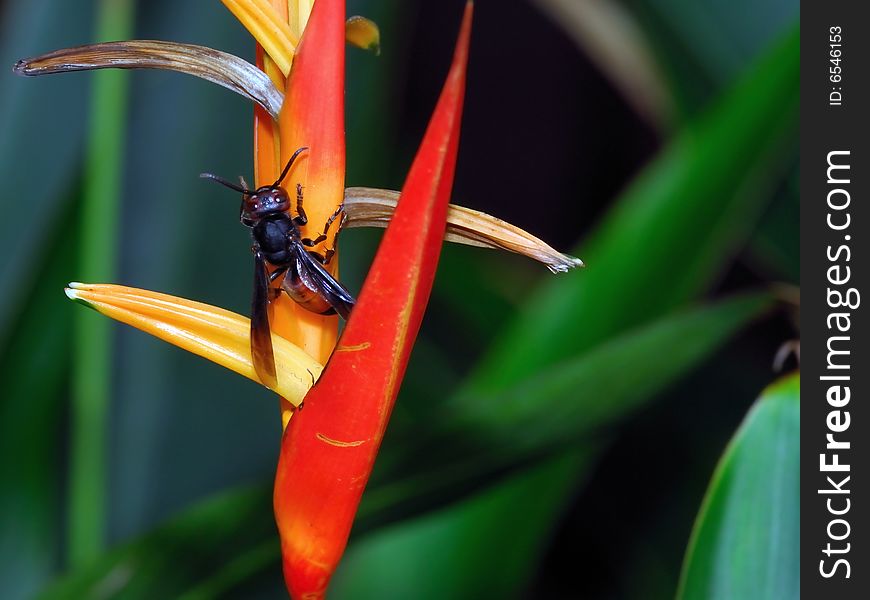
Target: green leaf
[(33, 369), (40, 146), (702, 46), (746, 539), (553, 408), (444, 554), (776, 245), (563, 402), (93, 351), (201, 543)]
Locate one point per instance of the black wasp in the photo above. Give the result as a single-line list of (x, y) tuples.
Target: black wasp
[(279, 243)]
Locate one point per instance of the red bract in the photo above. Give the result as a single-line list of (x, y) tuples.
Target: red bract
[(330, 446)]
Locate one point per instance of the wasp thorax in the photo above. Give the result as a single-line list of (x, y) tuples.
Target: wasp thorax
[(265, 201)]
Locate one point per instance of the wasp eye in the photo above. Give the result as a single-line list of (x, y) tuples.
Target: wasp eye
[(279, 199)]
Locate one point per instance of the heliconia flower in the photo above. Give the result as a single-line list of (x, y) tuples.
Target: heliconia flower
[(297, 84)]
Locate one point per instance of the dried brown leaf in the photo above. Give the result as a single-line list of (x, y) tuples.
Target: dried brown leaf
[(218, 67), (372, 207)]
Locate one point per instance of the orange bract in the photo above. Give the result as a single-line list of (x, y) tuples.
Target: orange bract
[(313, 116), (219, 335)]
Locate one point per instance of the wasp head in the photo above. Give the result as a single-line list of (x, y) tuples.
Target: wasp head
[(264, 201)]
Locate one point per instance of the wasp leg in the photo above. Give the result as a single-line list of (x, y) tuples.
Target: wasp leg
[(324, 258), (277, 273), (311, 243), (320, 258), (330, 252), (338, 211), (301, 218), (274, 292)]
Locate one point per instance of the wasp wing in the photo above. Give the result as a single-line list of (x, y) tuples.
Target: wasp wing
[(261, 335), (321, 281)]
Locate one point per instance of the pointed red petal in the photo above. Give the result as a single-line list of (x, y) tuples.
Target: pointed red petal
[(330, 446)]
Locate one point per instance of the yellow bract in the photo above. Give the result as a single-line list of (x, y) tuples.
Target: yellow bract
[(218, 335), (271, 31), (298, 12)]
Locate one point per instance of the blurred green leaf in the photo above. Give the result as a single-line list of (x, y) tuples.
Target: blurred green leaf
[(444, 554), (776, 246), (702, 46), (469, 273), (33, 368), (40, 141), (746, 540), (563, 401), (555, 407), (201, 543), (98, 250)]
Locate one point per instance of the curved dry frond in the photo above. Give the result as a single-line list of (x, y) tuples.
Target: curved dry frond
[(373, 207), (206, 63)]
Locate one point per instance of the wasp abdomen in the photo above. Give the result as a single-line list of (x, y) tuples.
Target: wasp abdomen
[(303, 290)]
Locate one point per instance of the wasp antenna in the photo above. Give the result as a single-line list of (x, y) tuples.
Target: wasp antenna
[(226, 183), (289, 164)]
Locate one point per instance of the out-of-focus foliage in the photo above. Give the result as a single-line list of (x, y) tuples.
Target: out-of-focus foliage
[(526, 391)]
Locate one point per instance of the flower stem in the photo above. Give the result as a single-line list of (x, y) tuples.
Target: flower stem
[(92, 356)]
